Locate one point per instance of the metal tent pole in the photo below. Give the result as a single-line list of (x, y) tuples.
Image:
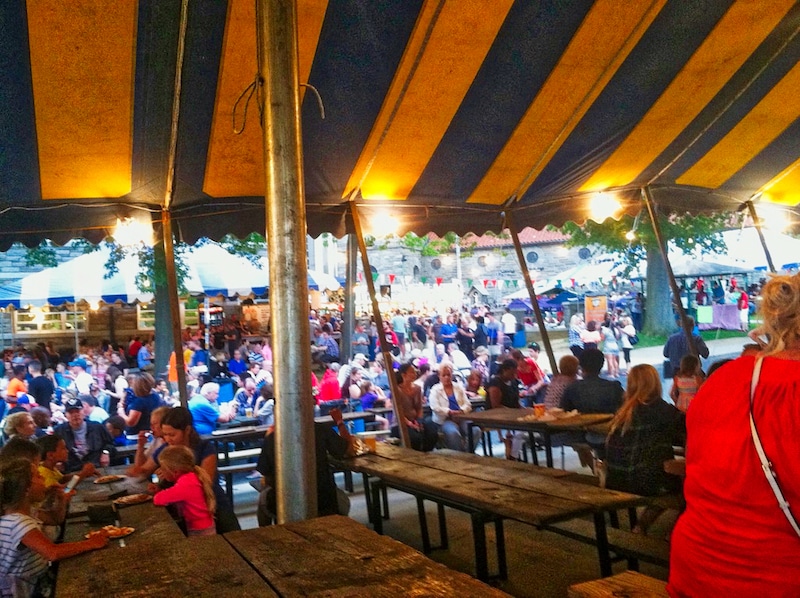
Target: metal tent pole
[(349, 319), (662, 247), (174, 306), (166, 215), (296, 482), (752, 209), (388, 358), (531, 293)]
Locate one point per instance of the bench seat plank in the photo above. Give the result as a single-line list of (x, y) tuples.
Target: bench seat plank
[(629, 583)]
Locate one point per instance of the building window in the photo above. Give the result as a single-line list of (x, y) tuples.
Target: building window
[(532, 257), (436, 264), (584, 253)]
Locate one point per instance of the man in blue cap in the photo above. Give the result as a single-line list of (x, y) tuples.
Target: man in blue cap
[(81, 379)]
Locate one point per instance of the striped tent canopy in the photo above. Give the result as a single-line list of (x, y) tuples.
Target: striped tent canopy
[(442, 113)]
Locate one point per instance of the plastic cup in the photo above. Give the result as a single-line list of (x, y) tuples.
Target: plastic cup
[(538, 410), (248, 412), (371, 443)]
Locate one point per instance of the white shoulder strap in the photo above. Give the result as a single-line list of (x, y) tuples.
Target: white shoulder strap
[(766, 466)]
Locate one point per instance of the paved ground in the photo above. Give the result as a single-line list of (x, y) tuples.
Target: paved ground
[(540, 564)]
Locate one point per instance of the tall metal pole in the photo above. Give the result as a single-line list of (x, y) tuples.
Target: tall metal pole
[(296, 484), (531, 293), (388, 358), (662, 247), (349, 320), (174, 306), (166, 215), (752, 209)]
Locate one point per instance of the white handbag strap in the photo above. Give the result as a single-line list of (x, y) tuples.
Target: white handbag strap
[(766, 466)]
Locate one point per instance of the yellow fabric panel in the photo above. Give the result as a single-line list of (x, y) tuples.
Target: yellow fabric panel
[(235, 164), (82, 64), (447, 47), (784, 188), (759, 128), (722, 53), (599, 47)]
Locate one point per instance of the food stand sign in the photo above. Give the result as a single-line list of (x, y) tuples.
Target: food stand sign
[(595, 308)]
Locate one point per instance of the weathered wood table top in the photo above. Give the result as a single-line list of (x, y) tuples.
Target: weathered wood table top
[(336, 556), (88, 493), (519, 491), (505, 417), (202, 566)]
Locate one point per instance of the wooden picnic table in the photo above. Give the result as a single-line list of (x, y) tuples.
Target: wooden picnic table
[(319, 557), (155, 559), (335, 556), (512, 419), (489, 489), (88, 493)]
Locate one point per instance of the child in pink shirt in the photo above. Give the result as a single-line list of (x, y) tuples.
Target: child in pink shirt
[(191, 493)]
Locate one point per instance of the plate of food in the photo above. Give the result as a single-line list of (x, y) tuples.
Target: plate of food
[(112, 532), (107, 479), (132, 499)]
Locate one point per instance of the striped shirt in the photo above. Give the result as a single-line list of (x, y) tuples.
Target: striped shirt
[(20, 567)]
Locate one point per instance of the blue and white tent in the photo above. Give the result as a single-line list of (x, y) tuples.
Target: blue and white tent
[(213, 272)]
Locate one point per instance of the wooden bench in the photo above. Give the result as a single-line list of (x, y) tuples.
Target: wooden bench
[(628, 583), (633, 547)]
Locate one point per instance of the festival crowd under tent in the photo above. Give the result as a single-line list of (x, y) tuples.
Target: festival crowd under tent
[(438, 116)]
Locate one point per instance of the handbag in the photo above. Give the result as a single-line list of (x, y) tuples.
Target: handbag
[(766, 465), (633, 339)]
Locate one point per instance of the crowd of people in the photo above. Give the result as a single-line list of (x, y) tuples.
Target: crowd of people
[(68, 417)]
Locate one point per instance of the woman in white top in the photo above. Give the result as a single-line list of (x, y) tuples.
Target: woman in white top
[(445, 399), (628, 331)]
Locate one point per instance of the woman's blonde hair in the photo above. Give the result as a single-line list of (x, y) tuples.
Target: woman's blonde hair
[(644, 386), (780, 309), (180, 459), (14, 421)]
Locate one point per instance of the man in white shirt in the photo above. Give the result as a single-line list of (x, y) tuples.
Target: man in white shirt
[(82, 380), (509, 323)]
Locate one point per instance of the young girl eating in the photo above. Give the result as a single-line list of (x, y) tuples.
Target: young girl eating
[(191, 493), (24, 549)]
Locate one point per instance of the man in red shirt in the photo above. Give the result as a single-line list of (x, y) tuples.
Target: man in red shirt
[(743, 303)]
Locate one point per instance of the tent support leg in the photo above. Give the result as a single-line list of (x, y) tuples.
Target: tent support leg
[(388, 358), (531, 293), (662, 248), (752, 209), (295, 459), (349, 298), (174, 302)]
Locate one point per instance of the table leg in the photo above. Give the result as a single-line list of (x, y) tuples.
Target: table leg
[(602, 544), (443, 539), (470, 439), (377, 521), (532, 442), (367, 495), (479, 539), (548, 447), (502, 567), (423, 526)]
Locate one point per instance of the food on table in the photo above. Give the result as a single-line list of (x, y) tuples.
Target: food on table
[(112, 531), (132, 499), (107, 479)]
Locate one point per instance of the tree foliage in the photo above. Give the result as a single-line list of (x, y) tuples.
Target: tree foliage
[(431, 246), (692, 234)]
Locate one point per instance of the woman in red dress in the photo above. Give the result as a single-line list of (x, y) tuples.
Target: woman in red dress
[(733, 539)]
